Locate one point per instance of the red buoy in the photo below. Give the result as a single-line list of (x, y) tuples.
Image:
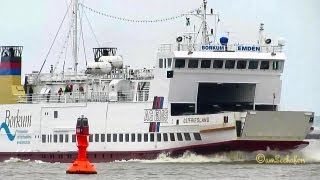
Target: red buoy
[(82, 165)]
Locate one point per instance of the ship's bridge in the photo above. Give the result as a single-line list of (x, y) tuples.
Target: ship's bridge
[(209, 79)]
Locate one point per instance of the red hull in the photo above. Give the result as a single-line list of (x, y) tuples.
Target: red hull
[(236, 145)]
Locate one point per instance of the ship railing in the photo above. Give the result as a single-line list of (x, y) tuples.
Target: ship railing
[(129, 96), (166, 48), (140, 74), (81, 97)]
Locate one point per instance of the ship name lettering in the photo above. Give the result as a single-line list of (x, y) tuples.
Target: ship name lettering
[(196, 120), (17, 121)]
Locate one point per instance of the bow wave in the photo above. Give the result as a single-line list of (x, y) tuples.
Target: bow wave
[(6, 128)]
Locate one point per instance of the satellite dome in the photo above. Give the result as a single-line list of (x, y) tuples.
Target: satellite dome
[(224, 40)]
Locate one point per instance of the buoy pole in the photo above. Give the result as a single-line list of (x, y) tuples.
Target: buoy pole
[(82, 165)]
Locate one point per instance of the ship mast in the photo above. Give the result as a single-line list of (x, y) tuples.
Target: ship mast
[(74, 35), (205, 38)]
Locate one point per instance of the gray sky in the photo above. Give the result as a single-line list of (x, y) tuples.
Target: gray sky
[(33, 24)]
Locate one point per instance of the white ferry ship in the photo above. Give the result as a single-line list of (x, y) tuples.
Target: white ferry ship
[(201, 96)]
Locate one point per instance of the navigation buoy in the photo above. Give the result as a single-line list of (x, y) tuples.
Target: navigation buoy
[(82, 165)]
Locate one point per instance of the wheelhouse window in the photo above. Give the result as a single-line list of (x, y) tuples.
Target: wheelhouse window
[(253, 64), (264, 65), (91, 138), (276, 65), (205, 63), (241, 64), (230, 64), (120, 137), (217, 64), (193, 63), (160, 63), (139, 137), (180, 63)]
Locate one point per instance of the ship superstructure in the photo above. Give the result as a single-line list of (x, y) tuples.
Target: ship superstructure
[(201, 96)]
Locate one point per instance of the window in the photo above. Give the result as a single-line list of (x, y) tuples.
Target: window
[(55, 114), (187, 136), (61, 138), (165, 63), (180, 63), (133, 137), (193, 63), (91, 138), (253, 64), (120, 137), (205, 63), (108, 137), (158, 137), (152, 137), (276, 65), (197, 136), (169, 62), (264, 65), (139, 137), (50, 138), (165, 136), (96, 138), (66, 138), (179, 137), (172, 137), (160, 63), (43, 138), (218, 64), (103, 137), (55, 138), (241, 64), (145, 137), (230, 64), (114, 137), (73, 137), (127, 137)]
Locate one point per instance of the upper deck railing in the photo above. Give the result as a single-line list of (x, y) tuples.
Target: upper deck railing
[(220, 48), (83, 97)]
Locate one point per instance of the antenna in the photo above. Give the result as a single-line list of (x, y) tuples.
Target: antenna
[(261, 36), (202, 14)]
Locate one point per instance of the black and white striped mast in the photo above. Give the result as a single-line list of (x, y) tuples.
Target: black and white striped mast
[(74, 35)]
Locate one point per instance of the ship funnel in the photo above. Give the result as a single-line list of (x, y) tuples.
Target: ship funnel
[(10, 74)]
